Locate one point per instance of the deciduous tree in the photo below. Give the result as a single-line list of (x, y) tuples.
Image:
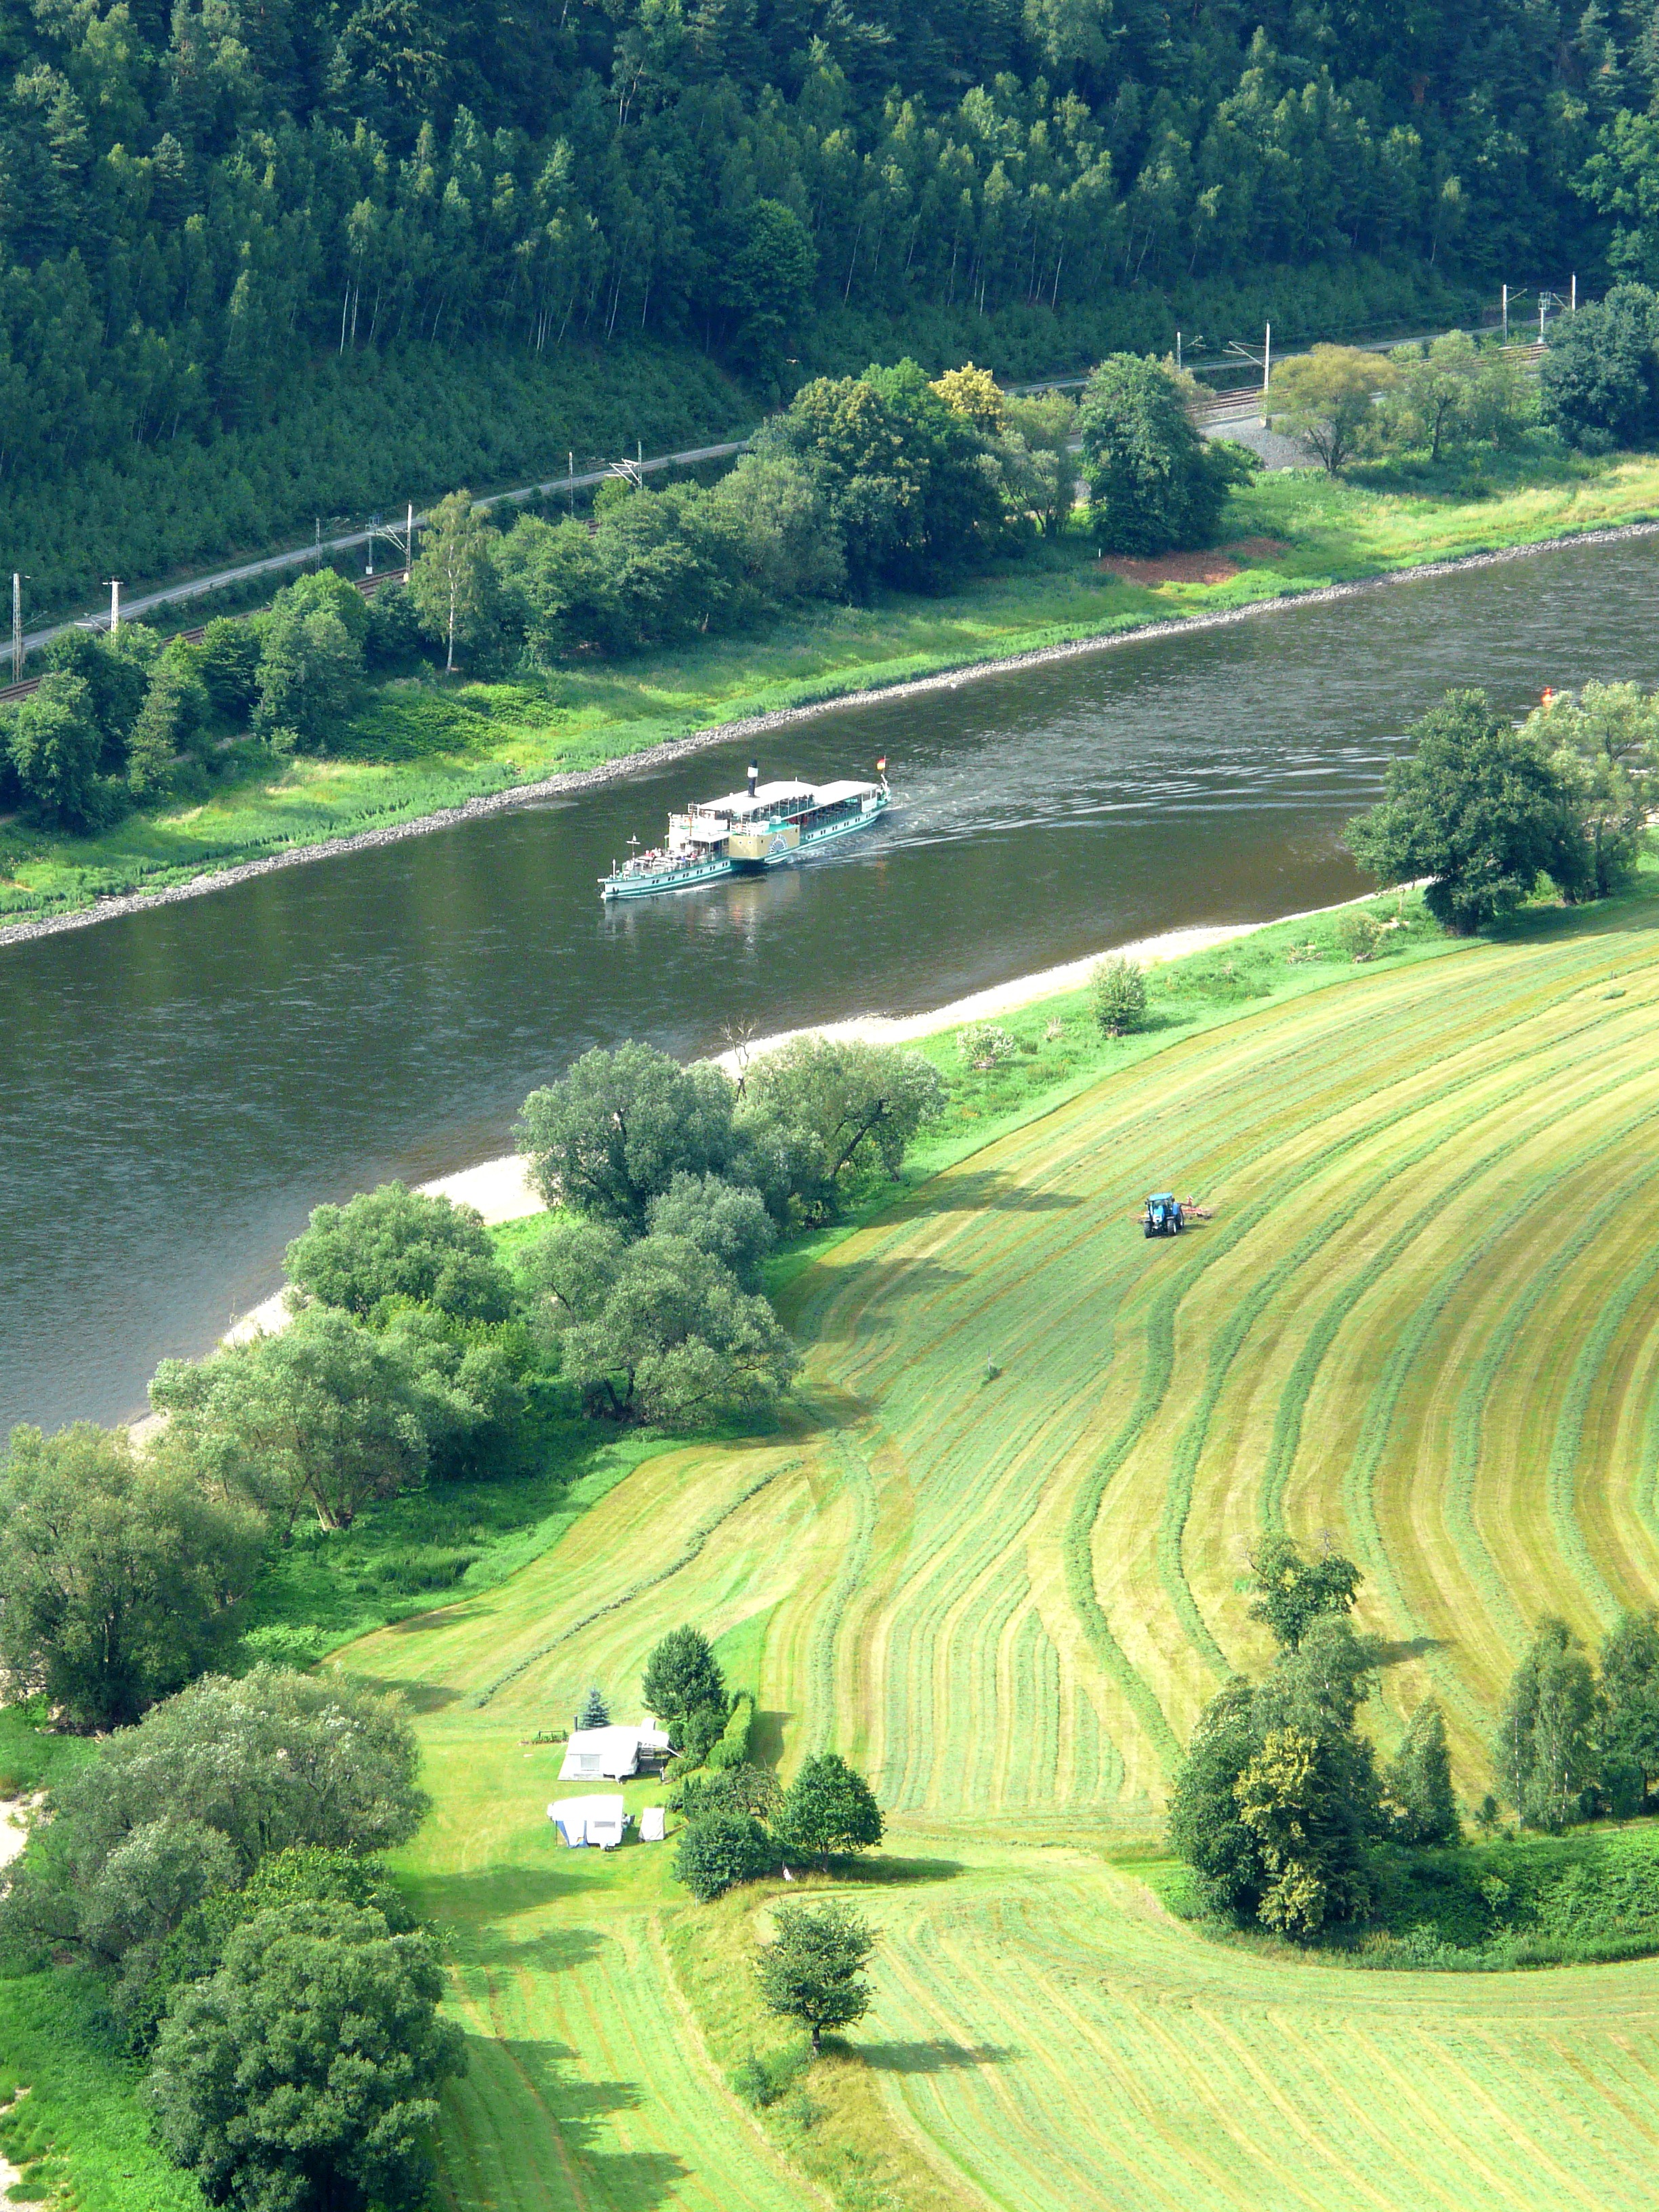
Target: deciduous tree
[(304, 2072), (452, 581), (1327, 398), (677, 1342), (394, 1243), (1291, 1590), (812, 1969), (828, 1809), (322, 1418), (612, 1133), (119, 1579), (1477, 808), (683, 1677), (1155, 483)]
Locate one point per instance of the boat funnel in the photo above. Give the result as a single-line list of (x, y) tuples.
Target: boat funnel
[(754, 776)]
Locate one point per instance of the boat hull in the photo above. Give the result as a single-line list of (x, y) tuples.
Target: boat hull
[(779, 853)]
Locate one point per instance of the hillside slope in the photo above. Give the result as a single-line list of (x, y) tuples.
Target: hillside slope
[(1421, 1321)]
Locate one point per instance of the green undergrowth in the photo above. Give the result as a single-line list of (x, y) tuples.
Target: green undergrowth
[(1519, 1901), (420, 744), (428, 1548), (31, 1757), (826, 2114), (78, 2133)]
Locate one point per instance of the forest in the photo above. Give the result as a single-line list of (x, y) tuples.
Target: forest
[(218, 219)]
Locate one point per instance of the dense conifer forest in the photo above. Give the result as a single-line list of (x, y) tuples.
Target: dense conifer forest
[(222, 218)]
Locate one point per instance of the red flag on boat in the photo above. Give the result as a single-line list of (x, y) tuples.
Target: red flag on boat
[(881, 765)]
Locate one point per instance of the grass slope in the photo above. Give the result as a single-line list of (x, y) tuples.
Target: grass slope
[(419, 746), (1421, 1321)]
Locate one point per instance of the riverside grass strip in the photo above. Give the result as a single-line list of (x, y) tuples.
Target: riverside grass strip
[(1429, 1276)]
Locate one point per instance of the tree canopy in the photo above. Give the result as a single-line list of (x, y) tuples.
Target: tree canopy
[(615, 1130), (828, 1809), (1477, 808), (812, 1969), (394, 1243), (683, 1677), (119, 1579), (1327, 398), (1155, 482), (305, 2071)]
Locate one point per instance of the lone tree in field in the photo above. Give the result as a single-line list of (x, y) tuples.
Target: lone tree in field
[(1479, 809), (811, 1971), (829, 1807), (1327, 398), (1292, 1590)]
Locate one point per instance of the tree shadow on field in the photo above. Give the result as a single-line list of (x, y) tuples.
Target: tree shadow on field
[(1413, 1647), (420, 1697), (575, 2112), (441, 1616), (766, 1737), (989, 1190), (543, 1951), (892, 1870), (881, 1283), (939, 2056), (495, 1892)]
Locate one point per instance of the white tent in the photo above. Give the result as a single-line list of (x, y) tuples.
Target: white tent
[(610, 1754), (651, 1824), (596, 1820)]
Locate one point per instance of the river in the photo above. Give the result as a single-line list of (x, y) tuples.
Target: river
[(182, 1085)]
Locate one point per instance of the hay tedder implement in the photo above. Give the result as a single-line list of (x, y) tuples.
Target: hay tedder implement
[(1166, 1215)]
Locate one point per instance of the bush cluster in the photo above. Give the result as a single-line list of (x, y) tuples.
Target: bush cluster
[(1279, 1805), (215, 1867), (739, 1824), (672, 1185), (1483, 809)]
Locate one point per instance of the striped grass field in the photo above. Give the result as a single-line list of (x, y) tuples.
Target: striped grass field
[(1420, 1322)]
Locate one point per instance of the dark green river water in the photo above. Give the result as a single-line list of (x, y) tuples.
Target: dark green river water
[(181, 1086)]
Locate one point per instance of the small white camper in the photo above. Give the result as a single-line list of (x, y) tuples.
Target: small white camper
[(612, 1754), (596, 1820)]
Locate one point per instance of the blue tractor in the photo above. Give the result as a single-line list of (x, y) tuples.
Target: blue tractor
[(1163, 1215)]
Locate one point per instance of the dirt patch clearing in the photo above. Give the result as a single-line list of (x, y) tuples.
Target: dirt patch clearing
[(1218, 566)]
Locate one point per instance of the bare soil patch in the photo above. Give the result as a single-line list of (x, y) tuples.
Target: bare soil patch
[(1219, 565)]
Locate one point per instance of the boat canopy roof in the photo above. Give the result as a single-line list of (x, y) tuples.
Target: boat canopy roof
[(766, 800), (831, 794)]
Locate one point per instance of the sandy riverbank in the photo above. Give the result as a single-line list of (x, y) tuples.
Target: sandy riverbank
[(756, 725)]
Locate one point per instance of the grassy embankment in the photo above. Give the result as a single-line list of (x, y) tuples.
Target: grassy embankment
[(1420, 1321), (419, 746)]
